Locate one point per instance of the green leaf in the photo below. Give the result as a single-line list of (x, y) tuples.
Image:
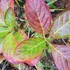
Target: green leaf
[(1, 45), (3, 31), (31, 48), (2, 23), (10, 17), (20, 35), (37, 35), (1, 18), (9, 45), (1, 14)]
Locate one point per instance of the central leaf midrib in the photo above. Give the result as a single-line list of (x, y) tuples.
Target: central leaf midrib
[(35, 46)]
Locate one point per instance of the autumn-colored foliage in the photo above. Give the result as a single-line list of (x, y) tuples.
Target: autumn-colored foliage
[(18, 48)]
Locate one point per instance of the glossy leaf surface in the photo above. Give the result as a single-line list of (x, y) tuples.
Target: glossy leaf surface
[(38, 15), (61, 26), (62, 57), (9, 17)]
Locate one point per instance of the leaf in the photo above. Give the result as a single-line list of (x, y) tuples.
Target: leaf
[(10, 44), (11, 4), (27, 51), (3, 31), (9, 47), (1, 44), (1, 14), (38, 15), (62, 59), (2, 23), (10, 17), (2, 18), (61, 26), (30, 48), (33, 62), (20, 36), (5, 4)]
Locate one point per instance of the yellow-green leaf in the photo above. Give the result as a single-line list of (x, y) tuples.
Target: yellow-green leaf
[(31, 48), (20, 35), (9, 45), (3, 31), (10, 17)]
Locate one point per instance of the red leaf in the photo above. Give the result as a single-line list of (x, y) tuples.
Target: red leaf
[(5, 4), (62, 57), (38, 15)]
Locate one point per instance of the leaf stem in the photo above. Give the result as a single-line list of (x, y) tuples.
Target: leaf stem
[(51, 2), (57, 50)]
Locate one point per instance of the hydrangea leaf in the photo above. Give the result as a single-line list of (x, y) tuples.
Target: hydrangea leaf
[(10, 18), (31, 48), (61, 26)]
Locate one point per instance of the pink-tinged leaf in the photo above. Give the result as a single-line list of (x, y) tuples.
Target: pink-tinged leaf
[(5, 4), (38, 15), (61, 26), (13, 40), (33, 62), (1, 15), (28, 51), (61, 57), (11, 4)]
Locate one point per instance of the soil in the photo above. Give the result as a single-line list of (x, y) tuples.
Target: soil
[(60, 4)]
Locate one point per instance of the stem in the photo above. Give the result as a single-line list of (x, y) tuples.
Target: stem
[(52, 10), (51, 2), (57, 50)]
